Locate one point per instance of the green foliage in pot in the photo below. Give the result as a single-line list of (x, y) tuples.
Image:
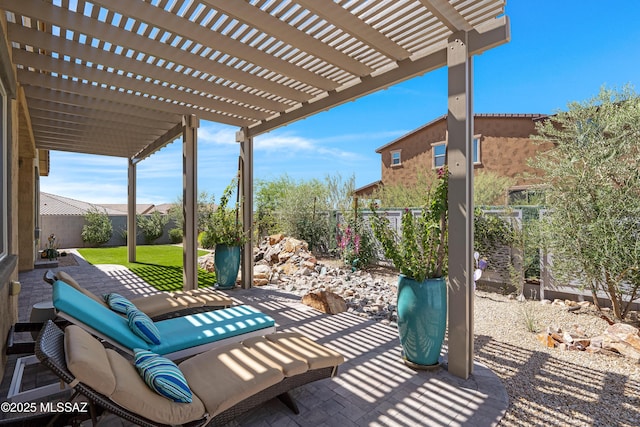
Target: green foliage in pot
[(223, 225), (419, 251)]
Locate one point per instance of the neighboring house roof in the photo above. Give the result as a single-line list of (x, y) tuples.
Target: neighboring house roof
[(533, 116), (369, 188), (52, 204)]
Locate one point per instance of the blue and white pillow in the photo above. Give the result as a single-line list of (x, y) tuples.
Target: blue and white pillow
[(118, 303), (162, 376), (143, 326)]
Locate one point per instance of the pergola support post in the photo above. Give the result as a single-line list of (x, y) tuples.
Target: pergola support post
[(131, 211), (189, 201), (246, 187), (460, 162)]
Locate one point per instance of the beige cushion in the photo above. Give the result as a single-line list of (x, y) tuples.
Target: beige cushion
[(228, 375), (316, 355), (277, 356), (66, 278), (158, 304), (87, 360), (132, 393), (208, 297)]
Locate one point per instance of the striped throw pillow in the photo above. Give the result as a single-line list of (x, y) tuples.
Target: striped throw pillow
[(162, 376), (143, 326), (118, 303)]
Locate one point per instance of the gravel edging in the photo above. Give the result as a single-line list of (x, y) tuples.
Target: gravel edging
[(548, 386)]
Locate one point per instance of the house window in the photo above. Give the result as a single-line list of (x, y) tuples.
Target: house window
[(476, 150), (396, 160), (439, 155)]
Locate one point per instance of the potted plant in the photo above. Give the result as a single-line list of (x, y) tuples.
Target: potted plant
[(224, 231), (419, 251)]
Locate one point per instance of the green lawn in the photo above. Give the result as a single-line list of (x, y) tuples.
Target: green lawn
[(158, 265)]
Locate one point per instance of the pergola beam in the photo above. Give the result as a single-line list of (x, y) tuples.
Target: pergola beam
[(103, 31), (447, 14), (335, 14), (170, 22), (129, 97), (37, 39), (269, 24), (102, 77), (479, 41)]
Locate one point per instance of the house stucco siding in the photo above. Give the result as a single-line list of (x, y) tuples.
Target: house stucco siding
[(505, 147)]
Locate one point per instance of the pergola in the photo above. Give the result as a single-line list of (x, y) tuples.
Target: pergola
[(126, 77)]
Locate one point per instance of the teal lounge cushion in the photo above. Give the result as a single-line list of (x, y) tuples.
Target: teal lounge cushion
[(143, 326), (118, 303), (162, 376), (104, 322)]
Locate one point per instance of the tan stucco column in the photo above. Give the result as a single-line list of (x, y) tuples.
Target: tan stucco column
[(460, 162)]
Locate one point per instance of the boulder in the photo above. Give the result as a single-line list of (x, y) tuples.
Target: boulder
[(325, 301)]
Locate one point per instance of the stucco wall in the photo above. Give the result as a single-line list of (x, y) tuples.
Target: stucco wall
[(68, 229)]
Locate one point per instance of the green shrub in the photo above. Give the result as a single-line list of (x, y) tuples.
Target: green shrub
[(97, 229), (176, 235), (152, 226)]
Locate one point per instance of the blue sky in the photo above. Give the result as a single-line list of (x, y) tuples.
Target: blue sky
[(560, 51)]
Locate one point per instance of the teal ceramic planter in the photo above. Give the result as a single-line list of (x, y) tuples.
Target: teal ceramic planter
[(227, 263), (422, 319)]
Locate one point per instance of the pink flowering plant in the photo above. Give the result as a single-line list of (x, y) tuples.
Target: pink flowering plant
[(354, 243), (419, 251)]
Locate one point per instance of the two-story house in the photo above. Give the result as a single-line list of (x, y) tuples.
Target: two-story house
[(502, 144)]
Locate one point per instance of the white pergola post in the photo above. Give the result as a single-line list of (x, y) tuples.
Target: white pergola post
[(246, 187), (189, 201), (460, 162), (131, 211)]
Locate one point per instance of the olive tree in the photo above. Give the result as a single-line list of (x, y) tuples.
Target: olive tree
[(592, 178), (97, 229)]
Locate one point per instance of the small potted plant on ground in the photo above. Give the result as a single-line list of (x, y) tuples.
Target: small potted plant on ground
[(224, 231), (419, 251)]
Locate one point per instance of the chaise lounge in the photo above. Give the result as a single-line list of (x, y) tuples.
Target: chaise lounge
[(158, 306), (174, 338), (225, 382)]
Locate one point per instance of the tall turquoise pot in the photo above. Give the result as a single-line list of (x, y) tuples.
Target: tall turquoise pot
[(422, 319), (227, 263)]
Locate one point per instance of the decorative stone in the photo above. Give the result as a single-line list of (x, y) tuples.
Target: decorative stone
[(326, 302)]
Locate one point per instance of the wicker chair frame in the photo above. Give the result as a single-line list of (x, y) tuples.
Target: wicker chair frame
[(50, 351)]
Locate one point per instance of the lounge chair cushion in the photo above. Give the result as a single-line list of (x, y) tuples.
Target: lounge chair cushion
[(277, 356), (162, 376), (176, 334), (224, 377), (316, 355), (117, 302), (133, 394), (71, 282), (159, 304), (143, 326), (87, 360)]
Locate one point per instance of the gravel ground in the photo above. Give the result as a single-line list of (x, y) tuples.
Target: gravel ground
[(551, 387)]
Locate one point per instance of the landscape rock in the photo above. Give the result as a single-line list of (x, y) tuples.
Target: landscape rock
[(326, 302)]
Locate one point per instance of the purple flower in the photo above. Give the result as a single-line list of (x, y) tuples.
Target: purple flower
[(482, 264)]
